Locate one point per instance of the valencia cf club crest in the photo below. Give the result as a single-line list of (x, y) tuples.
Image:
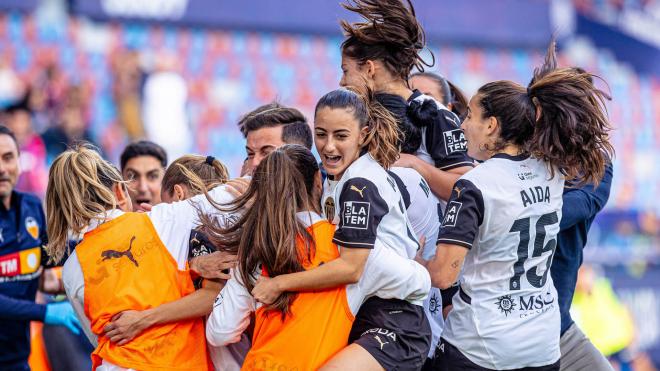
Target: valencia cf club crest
[(32, 227), (329, 209)]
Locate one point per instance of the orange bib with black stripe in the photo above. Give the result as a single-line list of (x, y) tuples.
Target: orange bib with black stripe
[(318, 326), (126, 267)]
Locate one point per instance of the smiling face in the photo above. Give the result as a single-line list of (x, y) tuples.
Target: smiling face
[(479, 130), (338, 139)]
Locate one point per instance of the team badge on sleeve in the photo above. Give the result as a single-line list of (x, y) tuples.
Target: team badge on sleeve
[(32, 227), (455, 141), (451, 214), (355, 215)]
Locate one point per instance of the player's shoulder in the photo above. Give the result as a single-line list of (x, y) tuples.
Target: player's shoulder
[(406, 174), (443, 113), (480, 174), (366, 171)]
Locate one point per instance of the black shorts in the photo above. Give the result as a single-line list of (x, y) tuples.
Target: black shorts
[(449, 358), (396, 333)]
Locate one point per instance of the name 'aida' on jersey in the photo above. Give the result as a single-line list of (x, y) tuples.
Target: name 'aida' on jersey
[(535, 195)]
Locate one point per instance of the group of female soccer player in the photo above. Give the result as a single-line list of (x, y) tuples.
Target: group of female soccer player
[(345, 272)]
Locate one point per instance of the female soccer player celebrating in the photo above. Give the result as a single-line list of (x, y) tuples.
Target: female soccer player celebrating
[(289, 236), (503, 217), (382, 51), (356, 138), (126, 261)]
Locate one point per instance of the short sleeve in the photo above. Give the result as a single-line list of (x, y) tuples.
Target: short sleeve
[(361, 208), (388, 275), (445, 141), (463, 215), (231, 313), (174, 222)]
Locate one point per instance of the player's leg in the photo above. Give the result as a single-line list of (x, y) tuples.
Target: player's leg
[(394, 334), (449, 358), (353, 357), (578, 353)]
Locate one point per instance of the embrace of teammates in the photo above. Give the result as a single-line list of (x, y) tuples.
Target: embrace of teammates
[(436, 233)]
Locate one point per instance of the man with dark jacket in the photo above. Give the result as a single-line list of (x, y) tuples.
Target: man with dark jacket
[(22, 237)]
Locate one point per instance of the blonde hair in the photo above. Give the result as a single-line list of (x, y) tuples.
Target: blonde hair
[(210, 171), (79, 190)]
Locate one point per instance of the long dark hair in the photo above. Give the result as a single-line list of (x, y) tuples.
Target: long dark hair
[(389, 33), (559, 118), (267, 232), (383, 135)]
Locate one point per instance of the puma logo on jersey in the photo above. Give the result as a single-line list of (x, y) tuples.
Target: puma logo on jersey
[(356, 189), (458, 191), (114, 254), (382, 344)]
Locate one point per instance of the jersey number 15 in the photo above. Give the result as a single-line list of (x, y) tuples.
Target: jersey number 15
[(522, 226)]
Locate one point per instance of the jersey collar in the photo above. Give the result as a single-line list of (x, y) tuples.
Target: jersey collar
[(520, 157), (309, 218), (102, 218)]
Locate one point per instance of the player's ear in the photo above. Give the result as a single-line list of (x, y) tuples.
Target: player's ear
[(121, 195), (493, 127), (364, 131), (179, 193)]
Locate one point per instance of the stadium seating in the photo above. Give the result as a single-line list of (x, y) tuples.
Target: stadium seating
[(230, 73)]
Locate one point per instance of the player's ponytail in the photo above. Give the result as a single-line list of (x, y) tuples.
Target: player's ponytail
[(267, 236), (560, 118), (383, 136), (210, 172), (571, 127), (390, 33), (79, 190)]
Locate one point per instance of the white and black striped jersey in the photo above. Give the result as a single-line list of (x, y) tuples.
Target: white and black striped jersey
[(506, 212), (443, 142), (368, 209), (424, 212), (422, 206)]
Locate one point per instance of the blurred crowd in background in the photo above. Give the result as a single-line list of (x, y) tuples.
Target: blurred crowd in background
[(65, 77)]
